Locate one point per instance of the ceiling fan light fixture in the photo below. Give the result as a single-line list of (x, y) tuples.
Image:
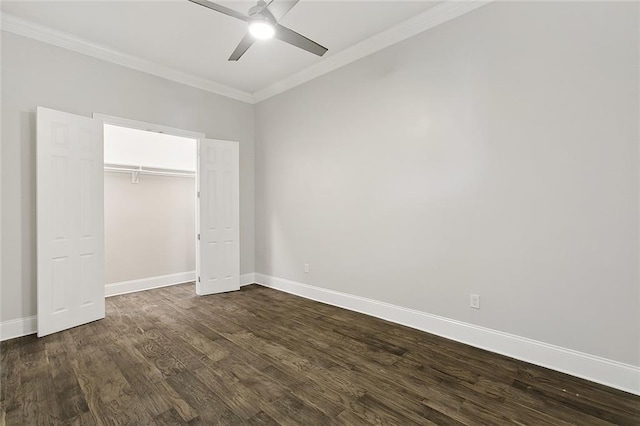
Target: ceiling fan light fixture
[(262, 20), (261, 29)]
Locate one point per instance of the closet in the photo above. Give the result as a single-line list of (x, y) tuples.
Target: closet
[(149, 209), (165, 201)]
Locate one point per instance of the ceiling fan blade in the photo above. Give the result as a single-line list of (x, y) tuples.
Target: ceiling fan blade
[(222, 9), (244, 44), (279, 8), (289, 36)]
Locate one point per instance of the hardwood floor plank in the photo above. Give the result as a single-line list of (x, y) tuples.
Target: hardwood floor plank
[(210, 408), (148, 384), (259, 356), (27, 410), (10, 377), (576, 403), (235, 397), (159, 354), (266, 389), (126, 411), (69, 394), (376, 412), (169, 418), (108, 381), (290, 410), (262, 418), (607, 398), (349, 418)]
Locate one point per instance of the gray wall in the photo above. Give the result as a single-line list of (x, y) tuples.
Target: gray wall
[(34, 74), (149, 227), (496, 154)]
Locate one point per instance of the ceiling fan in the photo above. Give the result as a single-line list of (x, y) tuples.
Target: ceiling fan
[(263, 23)]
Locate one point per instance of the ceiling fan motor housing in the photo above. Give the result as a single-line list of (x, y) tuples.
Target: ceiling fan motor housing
[(258, 8)]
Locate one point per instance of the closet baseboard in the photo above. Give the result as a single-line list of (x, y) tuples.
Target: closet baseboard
[(124, 287), (247, 279), (18, 327)]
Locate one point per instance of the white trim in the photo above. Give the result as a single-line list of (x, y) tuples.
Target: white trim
[(132, 286), (149, 127), (26, 28), (424, 21), (18, 328), (246, 279), (597, 369)]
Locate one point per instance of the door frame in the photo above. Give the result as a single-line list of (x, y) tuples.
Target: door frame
[(158, 128), (149, 127)]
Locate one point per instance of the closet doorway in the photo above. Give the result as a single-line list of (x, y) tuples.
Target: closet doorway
[(195, 181), (149, 209), (190, 214)]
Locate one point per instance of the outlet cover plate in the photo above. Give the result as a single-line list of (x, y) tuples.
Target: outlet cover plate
[(474, 301)]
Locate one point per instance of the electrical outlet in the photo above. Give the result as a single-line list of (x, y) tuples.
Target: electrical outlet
[(474, 301), (306, 268)]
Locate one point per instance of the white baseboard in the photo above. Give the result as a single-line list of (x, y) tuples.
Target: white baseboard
[(18, 327), (246, 279), (600, 370), (124, 287)]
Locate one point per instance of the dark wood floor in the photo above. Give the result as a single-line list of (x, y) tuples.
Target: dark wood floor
[(259, 356)]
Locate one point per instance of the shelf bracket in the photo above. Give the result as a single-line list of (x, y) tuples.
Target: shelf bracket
[(135, 175)]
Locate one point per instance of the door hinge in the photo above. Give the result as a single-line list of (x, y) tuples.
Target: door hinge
[(198, 237), (198, 279), (198, 194)]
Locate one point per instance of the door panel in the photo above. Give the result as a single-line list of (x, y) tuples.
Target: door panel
[(70, 221), (218, 254)]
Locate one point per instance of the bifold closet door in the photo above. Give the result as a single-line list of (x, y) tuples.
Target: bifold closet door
[(218, 246), (70, 220)]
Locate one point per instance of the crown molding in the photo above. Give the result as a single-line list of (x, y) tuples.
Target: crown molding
[(426, 20), (25, 28)]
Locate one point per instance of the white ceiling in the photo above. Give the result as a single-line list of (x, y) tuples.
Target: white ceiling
[(183, 36)]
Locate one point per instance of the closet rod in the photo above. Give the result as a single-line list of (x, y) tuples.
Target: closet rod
[(137, 171)]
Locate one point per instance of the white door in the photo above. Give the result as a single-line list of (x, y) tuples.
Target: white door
[(218, 248), (70, 221)]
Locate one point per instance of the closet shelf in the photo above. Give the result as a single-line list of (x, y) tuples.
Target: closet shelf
[(136, 171)]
